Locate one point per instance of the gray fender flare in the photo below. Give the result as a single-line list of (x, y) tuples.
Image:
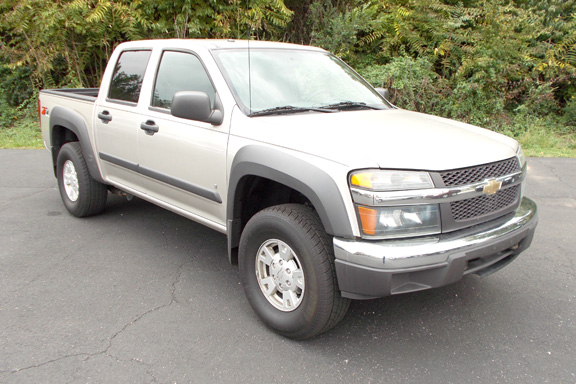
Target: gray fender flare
[(60, 116), (309, 180)]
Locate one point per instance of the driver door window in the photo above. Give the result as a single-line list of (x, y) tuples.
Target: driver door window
[(180, 71)]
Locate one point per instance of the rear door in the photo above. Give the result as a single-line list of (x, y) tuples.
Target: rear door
[(184, 160), (117, 120)]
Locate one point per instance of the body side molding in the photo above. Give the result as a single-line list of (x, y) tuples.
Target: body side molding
[(178, 183)]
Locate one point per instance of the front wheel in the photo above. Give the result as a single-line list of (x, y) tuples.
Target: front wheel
[(81, 194), (287, 271)]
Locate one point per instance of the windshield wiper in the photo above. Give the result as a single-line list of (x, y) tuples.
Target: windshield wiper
[(286, 109), (349, 105)]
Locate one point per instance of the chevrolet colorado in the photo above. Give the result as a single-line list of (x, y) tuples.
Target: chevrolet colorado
[(325, 190)]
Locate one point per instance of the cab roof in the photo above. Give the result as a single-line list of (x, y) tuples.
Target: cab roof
[(214, 44)]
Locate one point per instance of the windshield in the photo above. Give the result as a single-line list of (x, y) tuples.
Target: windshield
[(288, 81)]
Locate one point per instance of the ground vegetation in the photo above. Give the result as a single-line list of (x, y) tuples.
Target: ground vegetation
[(508, 65)]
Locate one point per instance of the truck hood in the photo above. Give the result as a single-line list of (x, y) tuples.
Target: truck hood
[(384, 139)]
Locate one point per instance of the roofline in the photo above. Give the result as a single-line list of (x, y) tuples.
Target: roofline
[(214, 44)]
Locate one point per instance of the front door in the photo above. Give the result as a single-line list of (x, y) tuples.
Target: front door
[(184, 160)]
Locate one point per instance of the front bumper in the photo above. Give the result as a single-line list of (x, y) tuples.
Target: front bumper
[(371, 269)]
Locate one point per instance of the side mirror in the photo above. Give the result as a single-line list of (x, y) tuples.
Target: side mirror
[(384, 92), (193, 105)]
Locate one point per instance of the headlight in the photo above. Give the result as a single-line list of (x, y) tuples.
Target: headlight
[(384, 222), (522, 161), (521, 157), (400, 221), (382, 181)]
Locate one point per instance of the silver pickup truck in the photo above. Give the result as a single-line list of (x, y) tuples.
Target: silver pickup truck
[(325, 190)]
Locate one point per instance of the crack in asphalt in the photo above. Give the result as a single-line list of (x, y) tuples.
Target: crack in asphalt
[(66, 254), (570, 269), (111, 339), (554, 172), (16, 370), (21, 197), (141, 316), (173, 300)]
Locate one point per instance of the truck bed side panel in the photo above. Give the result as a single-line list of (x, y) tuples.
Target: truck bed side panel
[(69, 110)]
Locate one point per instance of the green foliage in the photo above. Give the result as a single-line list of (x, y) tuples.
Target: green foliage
[(68, 42), (17, 95), (569, 117), (15, 85), (335, 30), (539, 101), (509, 65), (481, 62), (8, 114), (24, 134), (215, 19), (412, 83), (542, 136)]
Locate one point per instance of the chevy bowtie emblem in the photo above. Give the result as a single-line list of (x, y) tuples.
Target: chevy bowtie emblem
[(491, 187)]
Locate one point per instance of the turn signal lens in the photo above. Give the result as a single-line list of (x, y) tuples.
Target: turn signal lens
[(401, 221), (521, 157), (368, 219), (363, 179), (391, 180)]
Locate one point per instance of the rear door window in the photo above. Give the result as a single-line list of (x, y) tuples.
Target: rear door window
[(128, 75)]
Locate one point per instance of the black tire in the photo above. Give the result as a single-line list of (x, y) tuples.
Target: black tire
[(81, 194), (313, 305)]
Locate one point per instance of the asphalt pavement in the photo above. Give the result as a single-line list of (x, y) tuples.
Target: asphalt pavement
[(141, 295)]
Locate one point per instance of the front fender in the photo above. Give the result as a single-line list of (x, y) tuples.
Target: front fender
[(312, 182)]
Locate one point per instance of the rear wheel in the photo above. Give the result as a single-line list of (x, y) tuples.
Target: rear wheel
[(81, 194), (287, 270)]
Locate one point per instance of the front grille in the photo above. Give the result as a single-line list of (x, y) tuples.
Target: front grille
[(481, 173), (484, 205), (461, 214)]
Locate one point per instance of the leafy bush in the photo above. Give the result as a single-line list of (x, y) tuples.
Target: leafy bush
[(542, 136), (15, 85), (505, 65), (24, 134), (16, 94), (569, 117), (412, 83), (335, 30)]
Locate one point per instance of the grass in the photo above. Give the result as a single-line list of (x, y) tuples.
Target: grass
[(544, 144), (538, 138), (24, 134), (543, 137)]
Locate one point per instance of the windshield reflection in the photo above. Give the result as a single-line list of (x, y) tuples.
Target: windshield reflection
[(303, 80)]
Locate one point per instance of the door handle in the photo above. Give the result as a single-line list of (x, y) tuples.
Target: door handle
[(149, 127), (105, 117)]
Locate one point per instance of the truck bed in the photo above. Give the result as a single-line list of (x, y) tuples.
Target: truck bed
[(80, 101), (86, 94)]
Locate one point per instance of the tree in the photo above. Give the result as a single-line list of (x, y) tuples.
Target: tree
[(69, 42)]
